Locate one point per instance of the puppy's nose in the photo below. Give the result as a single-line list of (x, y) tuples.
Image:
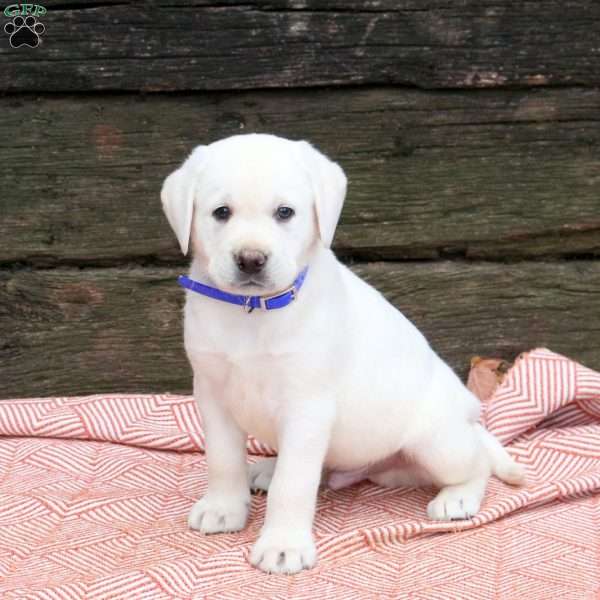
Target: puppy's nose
[(250, 261)]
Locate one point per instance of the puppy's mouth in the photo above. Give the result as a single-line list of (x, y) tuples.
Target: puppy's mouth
[(251, 283), (251, 286)]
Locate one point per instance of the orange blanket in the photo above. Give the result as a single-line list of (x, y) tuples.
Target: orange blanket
[(95, 493)]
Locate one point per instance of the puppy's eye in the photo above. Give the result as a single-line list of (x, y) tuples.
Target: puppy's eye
[(284, 213), (222, 213)]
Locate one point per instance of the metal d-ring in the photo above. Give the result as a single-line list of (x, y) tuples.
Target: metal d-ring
[(248, 308)]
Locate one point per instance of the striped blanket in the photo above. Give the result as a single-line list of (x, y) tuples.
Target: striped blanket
[(95, 493)]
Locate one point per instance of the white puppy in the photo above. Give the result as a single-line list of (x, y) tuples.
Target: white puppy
[(335, 378)]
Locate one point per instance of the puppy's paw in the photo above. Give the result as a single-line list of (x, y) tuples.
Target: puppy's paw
[(281, 551), (453, 504), (260, 474), (220, 514)]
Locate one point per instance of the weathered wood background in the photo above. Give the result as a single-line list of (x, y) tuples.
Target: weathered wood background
[(469, 129)]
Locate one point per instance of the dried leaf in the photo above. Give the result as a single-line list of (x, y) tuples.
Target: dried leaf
[(485, 375)]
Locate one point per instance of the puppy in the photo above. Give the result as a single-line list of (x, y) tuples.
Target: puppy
[(287, 344)]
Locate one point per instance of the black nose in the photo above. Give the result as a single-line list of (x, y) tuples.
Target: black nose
[(250, 261)]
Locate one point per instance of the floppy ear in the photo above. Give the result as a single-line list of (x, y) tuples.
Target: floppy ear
[(329, 185), (177, 196)]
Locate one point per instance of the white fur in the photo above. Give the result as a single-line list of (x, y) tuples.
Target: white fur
[(337, 379)]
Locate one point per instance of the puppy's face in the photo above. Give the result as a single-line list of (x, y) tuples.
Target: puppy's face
[(255, 209), (254, 222)]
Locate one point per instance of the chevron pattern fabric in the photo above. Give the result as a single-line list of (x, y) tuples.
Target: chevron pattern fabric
[(95, 491)]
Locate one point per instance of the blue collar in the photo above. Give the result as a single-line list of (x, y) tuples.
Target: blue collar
[(248, 302)]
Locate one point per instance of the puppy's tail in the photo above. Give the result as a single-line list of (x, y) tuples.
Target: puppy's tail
[(503, 466)]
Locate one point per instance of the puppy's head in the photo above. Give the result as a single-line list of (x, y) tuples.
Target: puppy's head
[(254, 208)]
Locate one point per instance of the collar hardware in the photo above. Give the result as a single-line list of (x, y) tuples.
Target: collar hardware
[(248, 308), (264, 299)]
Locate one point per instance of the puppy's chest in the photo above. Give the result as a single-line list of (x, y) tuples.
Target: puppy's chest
[(251, 389)]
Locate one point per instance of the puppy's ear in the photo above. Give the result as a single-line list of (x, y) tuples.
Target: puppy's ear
[(329, 185), (177, 196)]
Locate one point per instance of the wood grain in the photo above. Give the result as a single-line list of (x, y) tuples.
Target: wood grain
[(72, 331), (165, 46), (482, 174)]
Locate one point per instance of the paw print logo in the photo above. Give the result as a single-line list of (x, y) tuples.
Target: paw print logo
[(24, 32)]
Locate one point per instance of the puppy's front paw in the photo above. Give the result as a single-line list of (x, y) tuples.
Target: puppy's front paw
[(288, 552), (453, 504), (213, 514)]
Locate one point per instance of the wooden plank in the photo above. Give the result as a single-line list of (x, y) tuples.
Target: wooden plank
[(492, 174), (165, 46), (71, 331)]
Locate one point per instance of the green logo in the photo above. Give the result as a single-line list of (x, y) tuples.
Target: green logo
[(37, 10)]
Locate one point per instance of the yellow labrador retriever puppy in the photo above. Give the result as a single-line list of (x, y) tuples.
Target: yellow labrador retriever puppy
[(289, 345)]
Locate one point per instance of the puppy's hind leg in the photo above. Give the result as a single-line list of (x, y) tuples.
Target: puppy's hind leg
[(503, 465), (260, 474), (457, 462)]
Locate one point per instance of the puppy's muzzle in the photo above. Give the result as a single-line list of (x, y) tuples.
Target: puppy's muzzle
[(250, 262)]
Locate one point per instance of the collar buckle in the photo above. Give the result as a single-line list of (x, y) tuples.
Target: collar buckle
[(291, 290)]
